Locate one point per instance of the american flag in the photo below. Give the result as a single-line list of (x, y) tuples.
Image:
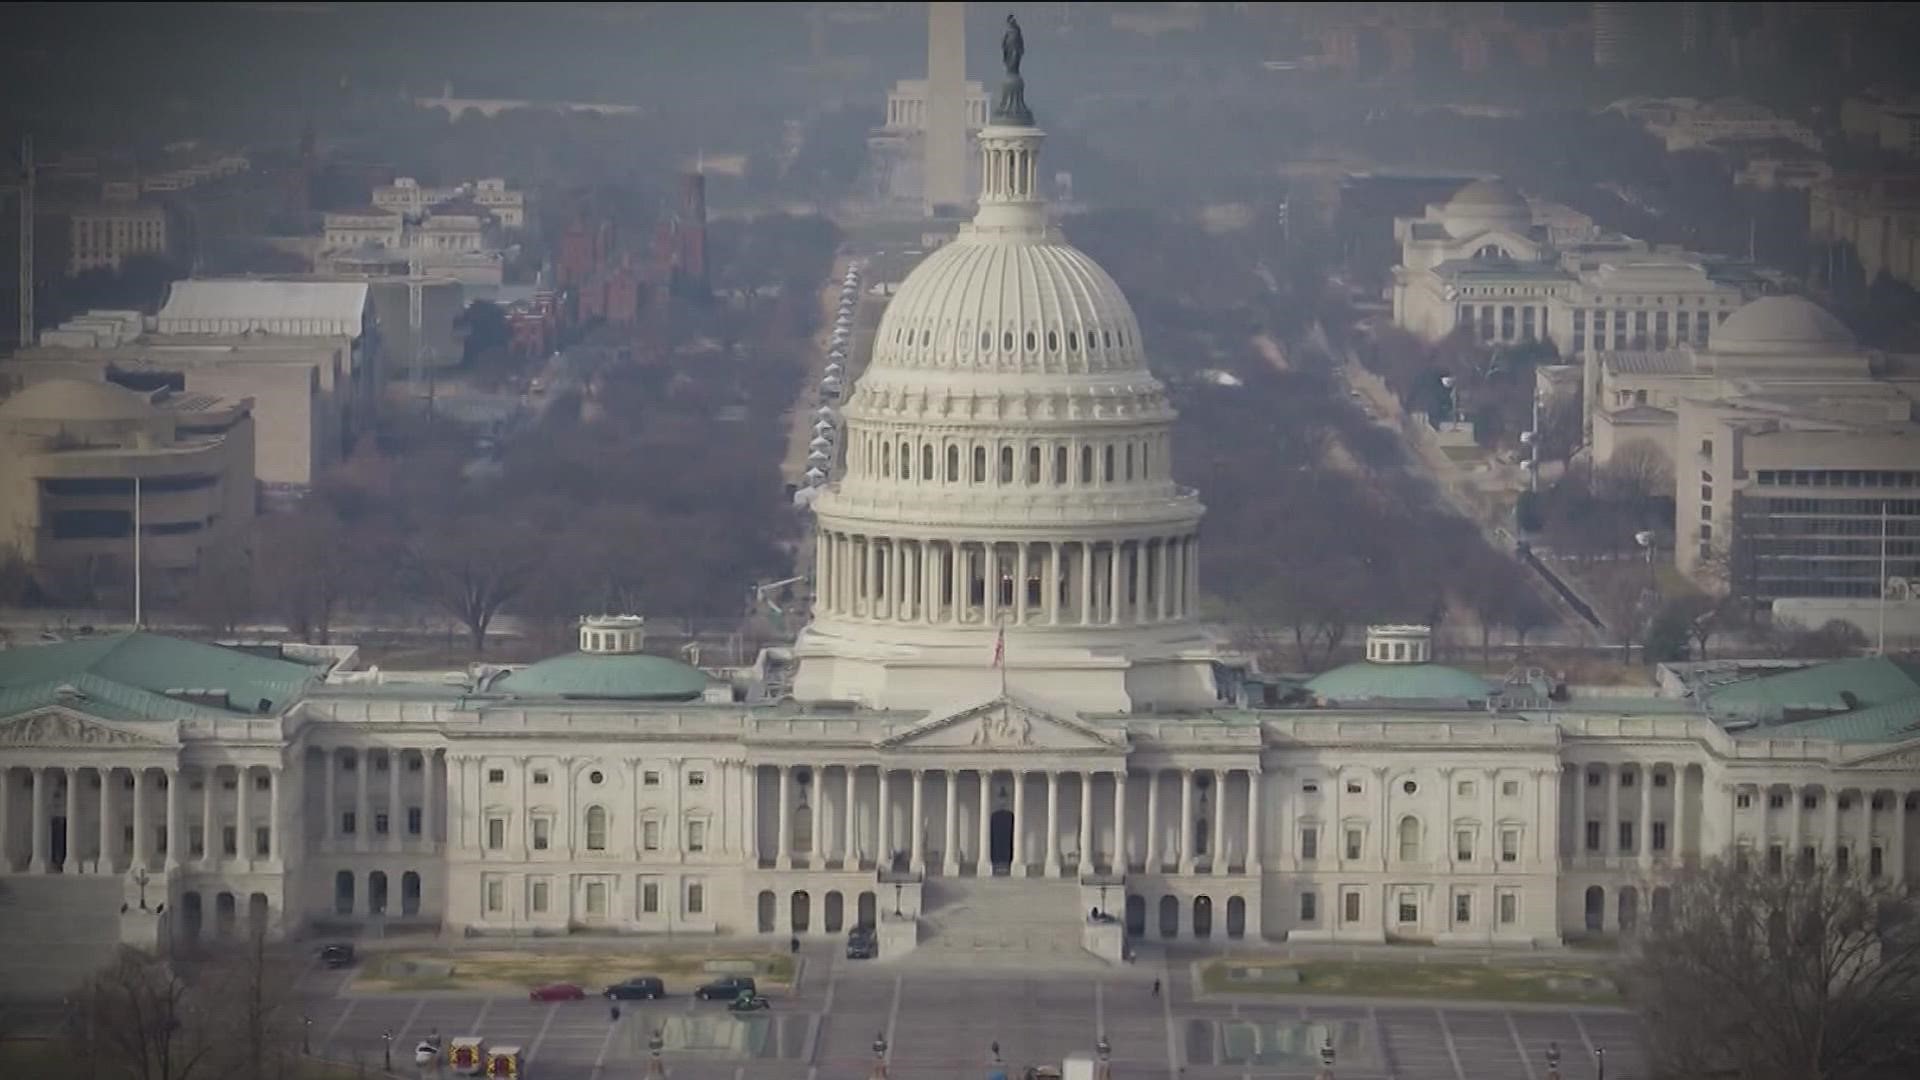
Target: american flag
[(1000, 647)]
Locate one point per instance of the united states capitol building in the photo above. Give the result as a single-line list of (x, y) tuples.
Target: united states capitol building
[(1005, 717)]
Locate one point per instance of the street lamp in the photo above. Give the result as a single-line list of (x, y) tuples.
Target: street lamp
[(880, 1056), (655, 1043), (1326, 1058), (386, 1039), (1104, 1050), (1600, 1063), (897, 887), (306, 1035), (1553, 1061)]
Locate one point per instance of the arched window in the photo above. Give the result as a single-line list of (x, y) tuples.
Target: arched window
[(979, 464), (926, 462), (906, 461), (1006, 464), (1108, 471), (1033, 465), (1060, 465), (1409, 839), (1086, 464), (953, 464), (1129, 461), (596, 828)]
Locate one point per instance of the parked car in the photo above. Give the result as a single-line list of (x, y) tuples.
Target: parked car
[(638, 988), (862, 943), (557, 992), (725, 989), (336, 956)]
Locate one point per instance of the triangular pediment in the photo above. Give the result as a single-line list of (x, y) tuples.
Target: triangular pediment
[(63, 728), (1904, 756), (1005, 725)]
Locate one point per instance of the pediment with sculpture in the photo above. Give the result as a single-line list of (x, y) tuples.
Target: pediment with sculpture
[(58, 728), (1006, 725)]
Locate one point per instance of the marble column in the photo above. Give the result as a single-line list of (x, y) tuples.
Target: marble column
[(1120, 817), (918, 839), (785, 818), (70, 861), (209, 779), (429, 800), (1897, 865), (1192, 547), (1052, 597), (396, 813), (1795, 811), (1677, 832), (276, 825), (1645, 831), (243, 849), (950, 843), (1019, 824), (106, 862), (1863, 846), (1579, 848), (1020, 586), (1114, 593), (1139, 581), (1253, 821), (363, 803), (1218, 849), (329, 799), (1086, 583), (177, 849), (42, 785), (1086, 825), (983, 854), (1161, 550), (817, 839), (1185, 847), (1053, 823), (990, 583), (957, 579), (883, 832), (1610, 840), (1153, 819), (849, 802), (1833, 825)]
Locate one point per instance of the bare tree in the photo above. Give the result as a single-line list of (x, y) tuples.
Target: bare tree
[(259, 1015), (1808, 974), (1621, 596), (221, 595), (141, 1020), (473, 565), (308, 563)]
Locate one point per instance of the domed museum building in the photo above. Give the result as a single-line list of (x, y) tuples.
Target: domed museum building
[(1004, 715)]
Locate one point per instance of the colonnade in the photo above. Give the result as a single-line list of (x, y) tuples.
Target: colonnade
[(1861, 829), (982, 821), (404, 812), (111, 819), (961, 582), (1642, 811)]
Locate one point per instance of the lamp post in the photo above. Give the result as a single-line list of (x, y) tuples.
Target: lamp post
[(306, 1035), (880, 1056), (1104, 1050), (897, 887), (655, 1043), (1553, 1061), (386, 1040), (1600, 1063), (1326, 1058)]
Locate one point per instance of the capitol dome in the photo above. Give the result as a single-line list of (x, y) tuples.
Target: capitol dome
[(1004, 484), (1782, 325), (1487, 204)]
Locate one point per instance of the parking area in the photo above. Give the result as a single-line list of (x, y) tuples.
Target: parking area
[(942, 1026)]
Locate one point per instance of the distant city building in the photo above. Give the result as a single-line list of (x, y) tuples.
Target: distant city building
[(1874, 221), (309, 354), (924, 153), (105, 234), (1885, 119), (1479, 262), (407, 196), (74, 456), (458, 239), (1689, 124)]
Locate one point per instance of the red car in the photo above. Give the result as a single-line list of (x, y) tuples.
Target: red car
[(557, 992)]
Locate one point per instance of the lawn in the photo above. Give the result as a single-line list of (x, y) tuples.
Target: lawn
[(681, 968), (56, 1059), (1562, 984)]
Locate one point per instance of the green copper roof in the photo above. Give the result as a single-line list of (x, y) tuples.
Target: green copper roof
[(1365, 681), (128, 675), (1893, 722), (1842, 684), (604, 677)]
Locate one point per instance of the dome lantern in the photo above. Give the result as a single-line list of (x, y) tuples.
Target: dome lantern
[(612, 635)]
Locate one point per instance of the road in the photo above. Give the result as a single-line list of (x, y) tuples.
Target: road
[(941, 1026)]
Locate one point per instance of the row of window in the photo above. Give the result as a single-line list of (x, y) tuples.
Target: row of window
[(1411, 841), (648, 777), (1407, 907), (1810, 857), (595, 896), (1095, 340), (382, 822), (1463, 788), (197, 841), (595, 822), (1626, 836), (1111, 463), (1810, 801), (1838, 477)]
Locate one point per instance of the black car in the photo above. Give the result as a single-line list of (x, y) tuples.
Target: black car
[(862, 944), (638, 988), (726, 989), (336, 956)]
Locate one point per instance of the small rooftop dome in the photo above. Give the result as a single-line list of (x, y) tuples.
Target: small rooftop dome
[(1783, 325), (1398, 667)]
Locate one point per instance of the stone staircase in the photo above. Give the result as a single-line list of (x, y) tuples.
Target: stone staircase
[(1002, 922), (55, 932)]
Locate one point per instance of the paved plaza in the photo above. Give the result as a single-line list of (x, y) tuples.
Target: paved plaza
[(940, 1026)]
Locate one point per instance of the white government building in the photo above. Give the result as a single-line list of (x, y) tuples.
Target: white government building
[(1006, 496)]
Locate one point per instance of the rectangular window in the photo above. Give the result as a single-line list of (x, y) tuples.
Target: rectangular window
[(496, 776), (596, 829), (650, 778), (229, 841), (1509, 908), (649, 897), (650, 835), (597, 898), (696, 836), (542, 833), (696, 778), (1353, 787), (262, 783), (1808, 856), (1593, 836), (1626, 779), (347, 823), (1744, 800), (496, 895), (1510, 788), (1309, 907), (539, 776), (1593, 779), (1462, 908), (1409, 908), (1352, 902), (1776, 858), (496, 833), (414, 821), (380, 823), (1842, 858), (1626, 836), (696, 898), (1465, 789), (1509, 845), (1353, 843), (540, 895), (1309, 844), (1876, 861), (1463, 845), (1311, 787), (263, 842), (415, 763), (1659, 836)]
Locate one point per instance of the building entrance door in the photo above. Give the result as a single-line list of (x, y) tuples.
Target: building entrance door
[(1000, 851), (57, 845)]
